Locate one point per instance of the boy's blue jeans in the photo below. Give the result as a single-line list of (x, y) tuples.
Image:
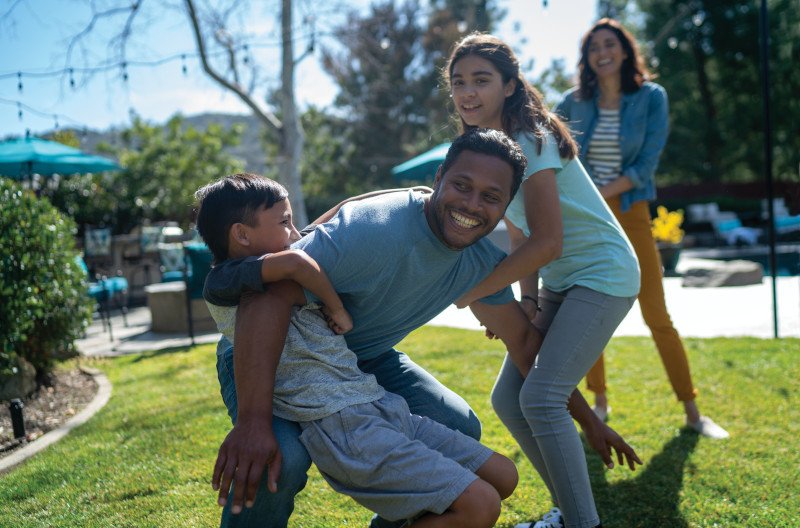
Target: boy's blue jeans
[(394, 370)]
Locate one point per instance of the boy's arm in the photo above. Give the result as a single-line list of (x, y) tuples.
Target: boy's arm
[(509, 323), (261, 325), (330, 213), (297, 265)]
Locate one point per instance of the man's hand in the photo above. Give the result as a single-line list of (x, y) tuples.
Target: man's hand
[(248, 448), (603, 439)]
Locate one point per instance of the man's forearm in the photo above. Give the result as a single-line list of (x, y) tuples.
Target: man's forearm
[(262, 322)]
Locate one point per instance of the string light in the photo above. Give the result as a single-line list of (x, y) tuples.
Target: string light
[(58, 117), (71, 72)]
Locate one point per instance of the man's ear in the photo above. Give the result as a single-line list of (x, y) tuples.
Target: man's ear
[(438, 178), (239, 234)]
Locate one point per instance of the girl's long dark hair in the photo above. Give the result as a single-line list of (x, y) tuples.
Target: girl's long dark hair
[(634, 71), (524, 110)]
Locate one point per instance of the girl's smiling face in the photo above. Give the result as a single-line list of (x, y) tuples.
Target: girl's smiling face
[(479, 92), (605, 55)]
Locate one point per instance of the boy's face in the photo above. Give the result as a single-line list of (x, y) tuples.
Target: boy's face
[(273, 231)]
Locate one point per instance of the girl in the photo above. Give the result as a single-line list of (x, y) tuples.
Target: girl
[(560, 229), (620, 121)]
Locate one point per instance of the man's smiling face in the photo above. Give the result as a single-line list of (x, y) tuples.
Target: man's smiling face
[(469, 199)]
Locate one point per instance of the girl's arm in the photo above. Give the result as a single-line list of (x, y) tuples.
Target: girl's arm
[(529, 286), (543, 213), (330, 213), (298, 266)]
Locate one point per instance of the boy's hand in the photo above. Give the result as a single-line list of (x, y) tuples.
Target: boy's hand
[(338, 320)]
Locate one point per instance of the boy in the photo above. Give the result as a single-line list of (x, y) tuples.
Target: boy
[(365, 441)]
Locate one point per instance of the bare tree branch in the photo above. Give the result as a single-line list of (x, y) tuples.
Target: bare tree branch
[(97, 16), (267, 117)]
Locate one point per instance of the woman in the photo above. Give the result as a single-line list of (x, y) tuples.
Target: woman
[(561, 229), (619, 120)]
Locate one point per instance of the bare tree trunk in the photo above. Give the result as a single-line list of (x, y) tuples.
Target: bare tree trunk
[(292, 131)]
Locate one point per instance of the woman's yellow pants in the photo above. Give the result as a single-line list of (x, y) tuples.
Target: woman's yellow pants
[(636, 223)]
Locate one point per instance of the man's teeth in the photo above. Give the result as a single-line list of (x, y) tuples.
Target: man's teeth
[(463, 221)]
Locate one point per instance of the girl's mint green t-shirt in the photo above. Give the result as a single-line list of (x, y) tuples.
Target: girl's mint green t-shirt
[(596, 253)]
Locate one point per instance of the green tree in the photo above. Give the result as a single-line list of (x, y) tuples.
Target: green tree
[(162, 168), (374, 69), (45, 305), (707, 57), (326, 169), (388, 68)]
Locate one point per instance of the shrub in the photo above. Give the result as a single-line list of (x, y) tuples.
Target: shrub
[(44, 305)]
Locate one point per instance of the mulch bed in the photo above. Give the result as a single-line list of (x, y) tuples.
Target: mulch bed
[(47, 408)]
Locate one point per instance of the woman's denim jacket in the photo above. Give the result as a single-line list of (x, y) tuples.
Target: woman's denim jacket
[(644, 124)]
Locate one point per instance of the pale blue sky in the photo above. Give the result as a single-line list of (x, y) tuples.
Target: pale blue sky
[(35, 37)]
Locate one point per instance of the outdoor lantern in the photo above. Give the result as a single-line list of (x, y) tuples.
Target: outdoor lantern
[(17, 420)]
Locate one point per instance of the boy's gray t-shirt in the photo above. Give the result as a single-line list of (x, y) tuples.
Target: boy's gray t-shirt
[(317, 374)]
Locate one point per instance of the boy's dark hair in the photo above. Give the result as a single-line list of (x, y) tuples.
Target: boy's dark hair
[(231, 200), (493, 143)]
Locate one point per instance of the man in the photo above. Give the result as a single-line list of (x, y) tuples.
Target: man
[(396, 261)]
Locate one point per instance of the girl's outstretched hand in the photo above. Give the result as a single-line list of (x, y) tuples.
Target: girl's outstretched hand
[(604, 439)]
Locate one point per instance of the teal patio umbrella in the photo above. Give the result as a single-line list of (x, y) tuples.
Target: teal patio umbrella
[(22, 158), (423, 167)]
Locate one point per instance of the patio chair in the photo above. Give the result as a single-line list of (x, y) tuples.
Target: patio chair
[(198, 264), (173, 261), (103, 290), (729, 228)]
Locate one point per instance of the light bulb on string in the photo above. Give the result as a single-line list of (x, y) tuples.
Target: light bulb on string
[(19, 82), (184, 69), (71, 79), (124, 66), (246, 59), (19, 110)]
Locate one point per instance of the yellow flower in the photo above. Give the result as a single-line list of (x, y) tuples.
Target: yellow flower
[(667, 225)]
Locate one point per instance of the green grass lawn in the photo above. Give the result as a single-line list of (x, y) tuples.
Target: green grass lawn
[(145, 460)]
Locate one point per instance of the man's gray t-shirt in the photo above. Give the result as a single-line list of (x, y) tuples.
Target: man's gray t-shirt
[(391, 271)]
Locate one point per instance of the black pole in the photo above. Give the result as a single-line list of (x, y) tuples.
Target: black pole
[(763, 29), (17, 419)]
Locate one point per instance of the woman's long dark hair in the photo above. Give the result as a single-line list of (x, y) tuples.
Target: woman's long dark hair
[(524, 109), (634, 71)]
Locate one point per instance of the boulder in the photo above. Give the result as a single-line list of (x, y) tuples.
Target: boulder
[(723, 273), (20, 384)]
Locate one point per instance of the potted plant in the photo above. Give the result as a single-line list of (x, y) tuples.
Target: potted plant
[(667, 232)]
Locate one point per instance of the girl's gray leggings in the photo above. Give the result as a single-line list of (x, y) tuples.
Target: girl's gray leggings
[(576, 324)]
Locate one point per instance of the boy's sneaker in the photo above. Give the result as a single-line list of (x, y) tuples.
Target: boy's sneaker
[(708, 428), (551, 519)]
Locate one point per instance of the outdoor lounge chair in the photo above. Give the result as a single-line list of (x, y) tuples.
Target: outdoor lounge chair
[(104, 290)]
